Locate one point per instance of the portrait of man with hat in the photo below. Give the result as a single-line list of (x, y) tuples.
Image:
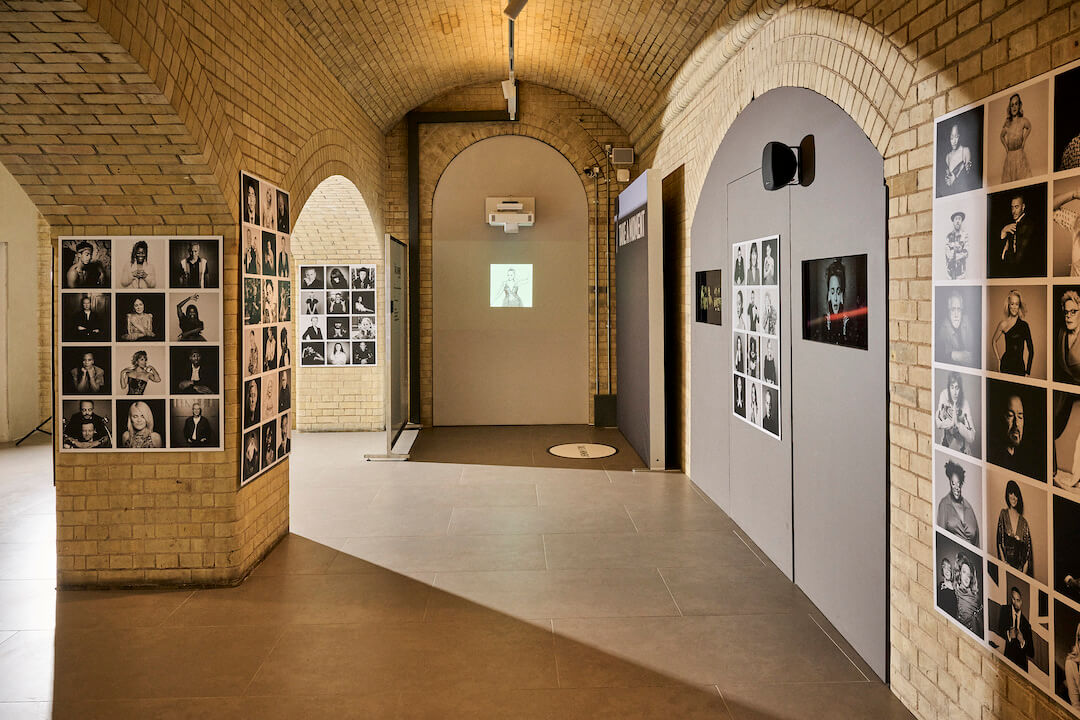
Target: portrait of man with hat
[(956, 248)]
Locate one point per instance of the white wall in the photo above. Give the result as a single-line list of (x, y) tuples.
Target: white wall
[(19, 365)]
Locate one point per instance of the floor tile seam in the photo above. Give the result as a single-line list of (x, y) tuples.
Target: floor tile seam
[(543, 542), (668, 588), (736, 533), (731, 714), (177, 609), (13, 634), (555, 652), (266, 658), (626, 509), (430, 595), (838, 647)]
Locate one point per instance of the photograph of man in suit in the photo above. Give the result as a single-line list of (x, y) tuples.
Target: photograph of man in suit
[(313, 332), (196, 428), (87, 323), (1015, 629), (1017, 237)]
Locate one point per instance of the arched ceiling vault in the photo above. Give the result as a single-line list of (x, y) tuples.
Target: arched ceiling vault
[(619, 55)]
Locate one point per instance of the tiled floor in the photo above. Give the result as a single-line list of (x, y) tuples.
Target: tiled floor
[(435, 590), (521, 446)]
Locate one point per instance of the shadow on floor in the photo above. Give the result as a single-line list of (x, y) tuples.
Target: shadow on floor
[(521, 445)]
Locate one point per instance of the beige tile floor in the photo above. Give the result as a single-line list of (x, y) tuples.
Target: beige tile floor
[(435, 590)]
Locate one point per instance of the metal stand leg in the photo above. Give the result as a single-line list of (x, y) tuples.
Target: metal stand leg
[(35, 430)]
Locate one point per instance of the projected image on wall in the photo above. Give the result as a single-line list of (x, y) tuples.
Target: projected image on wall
[(511, 285)]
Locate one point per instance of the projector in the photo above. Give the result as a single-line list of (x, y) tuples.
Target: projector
[(510, 213)]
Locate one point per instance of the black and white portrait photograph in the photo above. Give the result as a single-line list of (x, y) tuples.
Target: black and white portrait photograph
[(738, 344), (251, 362), (958, 579), (312, 353), (1066, 548), (1067, 120), (140, 317), (86, 317), (1065, 229), (1065, 471), (1066, 353), (284, 439), (285, 358), (1016, 232), (251, 257), (363, 302), (85, 370), (363, 353), (710, 305), (738, 311), (958, 162), (268, 206), (270, 397), (284, 390), (834, 301), (770, 269), (337, 328), (312, 302), (250, 456), (363, 277), (284, 301), (770, 311), (362, 327), (337, 277), (194, 423), (958, 325), (88, 425), (194, 317), (769, 360), (752, 368), (1067, 654), (283, 219), (269, 300), (141, 370), (1016, 427), (738, 263), (311, 277), (1016, 330), (958, 412), (1018, 127), (958, 498), (193, 370), (252, 414), (270, 348), (1018, 624), (338, 353), (739, 396), (250, 203), (284, 255), (86, 263), (141, 424), (252, 301), (1017, 524), (194, 263), (269, 253), (753, 402), (140, 263), (770, 410), (337, 302), (959, 234), (753, 261), (269, 443), (312, 327)]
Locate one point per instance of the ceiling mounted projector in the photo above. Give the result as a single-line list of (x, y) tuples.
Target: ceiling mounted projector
[(510, 213), (514, 8)]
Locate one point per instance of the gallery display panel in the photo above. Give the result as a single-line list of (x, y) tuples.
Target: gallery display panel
[(1006, 377), (140, 365), (338, 323), (756, 333), (266, 358)]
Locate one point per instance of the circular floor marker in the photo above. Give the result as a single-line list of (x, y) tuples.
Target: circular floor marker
[(582, 451)]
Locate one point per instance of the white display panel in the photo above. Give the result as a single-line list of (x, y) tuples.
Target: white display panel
[(139, 363)]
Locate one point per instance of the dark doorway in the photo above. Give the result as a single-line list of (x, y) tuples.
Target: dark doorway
[(675, 259)]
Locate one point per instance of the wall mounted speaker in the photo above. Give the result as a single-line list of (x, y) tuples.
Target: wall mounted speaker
[(778, 165)]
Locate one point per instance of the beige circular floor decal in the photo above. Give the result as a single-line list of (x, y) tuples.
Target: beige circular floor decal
[(582, 451)]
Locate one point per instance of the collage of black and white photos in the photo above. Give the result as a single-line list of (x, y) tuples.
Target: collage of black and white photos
[(139, 364), (337, 324), (266, 358), (1006, 326), (755, 318)]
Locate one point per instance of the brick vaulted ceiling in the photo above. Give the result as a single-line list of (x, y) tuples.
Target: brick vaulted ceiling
[(393, 55)]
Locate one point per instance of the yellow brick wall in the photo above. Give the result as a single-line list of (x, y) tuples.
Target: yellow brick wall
[(570, 125), (335, 226), (893, 66)]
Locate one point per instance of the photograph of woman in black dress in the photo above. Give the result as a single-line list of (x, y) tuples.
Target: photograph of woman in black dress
[(1012, 338)]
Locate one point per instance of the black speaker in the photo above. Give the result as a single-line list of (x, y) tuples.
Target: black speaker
[(778, 165)]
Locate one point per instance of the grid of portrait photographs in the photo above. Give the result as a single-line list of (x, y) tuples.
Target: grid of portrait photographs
[(1006, 377), (756, 334), (140, 366), (338, 325), (710, 297), (834, 301), (266, 352)]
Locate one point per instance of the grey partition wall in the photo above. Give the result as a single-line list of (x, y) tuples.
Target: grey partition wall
[(817, 501)]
